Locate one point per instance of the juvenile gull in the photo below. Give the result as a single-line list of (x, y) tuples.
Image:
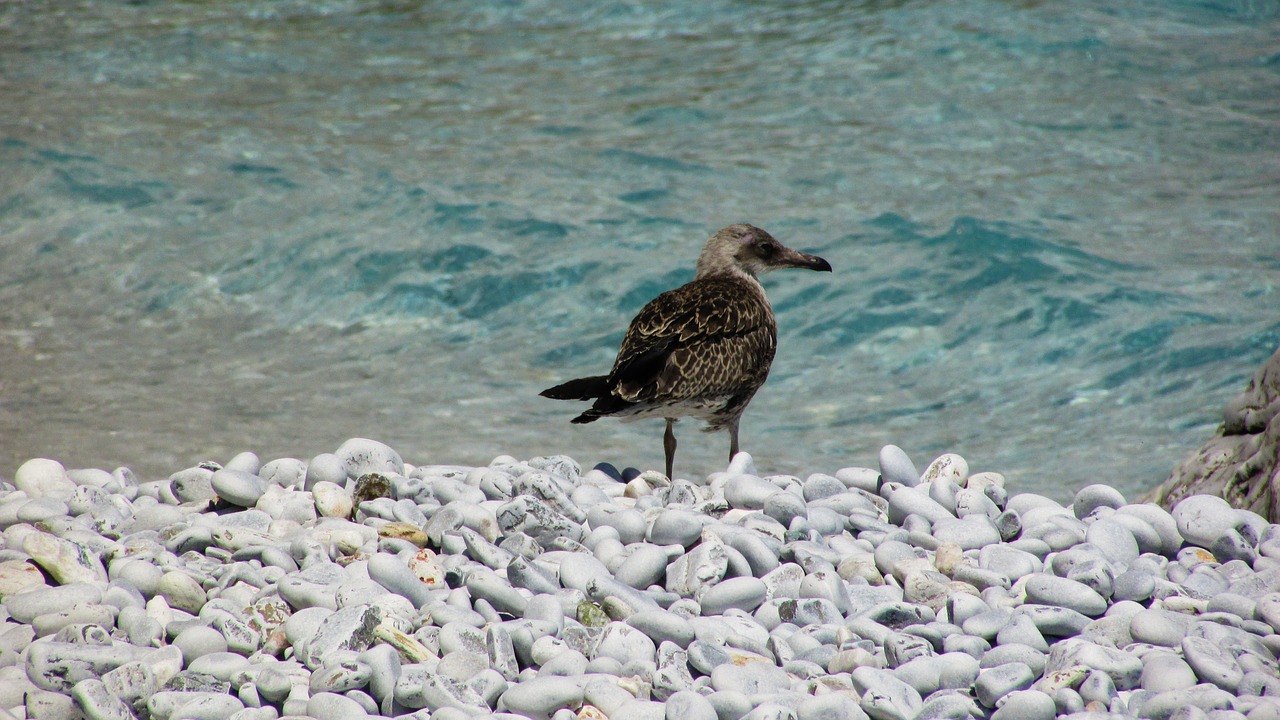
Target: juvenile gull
[(701, 350)]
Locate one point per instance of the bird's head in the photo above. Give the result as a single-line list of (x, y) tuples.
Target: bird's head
[(749, 250)]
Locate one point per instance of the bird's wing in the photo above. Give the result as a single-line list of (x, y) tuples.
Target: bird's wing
[(684, 332)]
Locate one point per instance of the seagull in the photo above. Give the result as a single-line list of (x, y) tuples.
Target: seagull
[(701, 350)]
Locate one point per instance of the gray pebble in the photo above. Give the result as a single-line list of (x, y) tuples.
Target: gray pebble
[(663, 626), (885, 696), (896, 466), (25, 606), (362, 456), (1114, 539), (742, 593), (905, 500), (98, 703), (238, 487), (200, 705), (391, 573), (1163, 671), (997, 682), (629, 523), (1092, 497), (645, 566), (1159, 627), (332, 706), (1206, 697), (1212, 663), (542, 696), (689, 705), (1202, 519), (741, 596), (786, 507), (1071, 654), (1025, 705), (1047, 589), (969, 533), (748, 492), (192, 485)]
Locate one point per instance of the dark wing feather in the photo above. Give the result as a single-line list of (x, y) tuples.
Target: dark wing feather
[(696, 340), (587, 388)]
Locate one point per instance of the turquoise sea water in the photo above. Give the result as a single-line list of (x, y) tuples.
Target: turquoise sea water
[(271, 226)]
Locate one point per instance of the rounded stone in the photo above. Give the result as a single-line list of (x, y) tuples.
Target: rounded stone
[(541, 697), (663, 626), (27, 605), (286, 472), (1205, 697), (949, 467), (969, 533), (41, 477), (222, 665), (1113, 539), (1133, 584), (689, 705), (1202, 519), (199, 640), (1009, 561), (1163, 671), (1047, 589), (629, 522), (325, 467), (645, 566), (332, 500), (238, 487), (332, 706), (192, 484), (1212, 663), (362, 456), (1159, 627), (1025, 705), (820, 487), (273, 685), (997, 682), (181, 591), (42, 509), (1092, 497), (751, 679), (1161, 521), (905, 500), (1072, 654), (896, 466), (624, 644), (883, 695), (748, 492), (742, 593)]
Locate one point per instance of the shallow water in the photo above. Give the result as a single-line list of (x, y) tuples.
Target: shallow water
[(272, 226)]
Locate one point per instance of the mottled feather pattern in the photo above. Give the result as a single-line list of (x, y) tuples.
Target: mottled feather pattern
[(714, 336)]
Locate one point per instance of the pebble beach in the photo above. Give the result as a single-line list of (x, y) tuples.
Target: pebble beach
[(355, 584)]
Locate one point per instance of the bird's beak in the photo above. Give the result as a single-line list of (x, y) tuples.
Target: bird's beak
[(797, 259)]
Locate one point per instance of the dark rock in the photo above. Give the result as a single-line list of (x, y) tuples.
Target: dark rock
[(1241, 463)]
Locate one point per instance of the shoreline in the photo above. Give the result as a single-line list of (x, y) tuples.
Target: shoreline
[(355, 584)]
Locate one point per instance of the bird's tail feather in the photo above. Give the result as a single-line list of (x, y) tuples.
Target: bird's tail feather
[(587, 388)]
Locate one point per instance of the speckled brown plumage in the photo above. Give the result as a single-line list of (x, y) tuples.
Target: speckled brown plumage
[(701, 350)]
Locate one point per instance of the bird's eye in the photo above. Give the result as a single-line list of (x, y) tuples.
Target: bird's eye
[(764, 248)]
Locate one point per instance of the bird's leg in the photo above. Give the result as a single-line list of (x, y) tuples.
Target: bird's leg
[(669, 445), (733, 440)]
